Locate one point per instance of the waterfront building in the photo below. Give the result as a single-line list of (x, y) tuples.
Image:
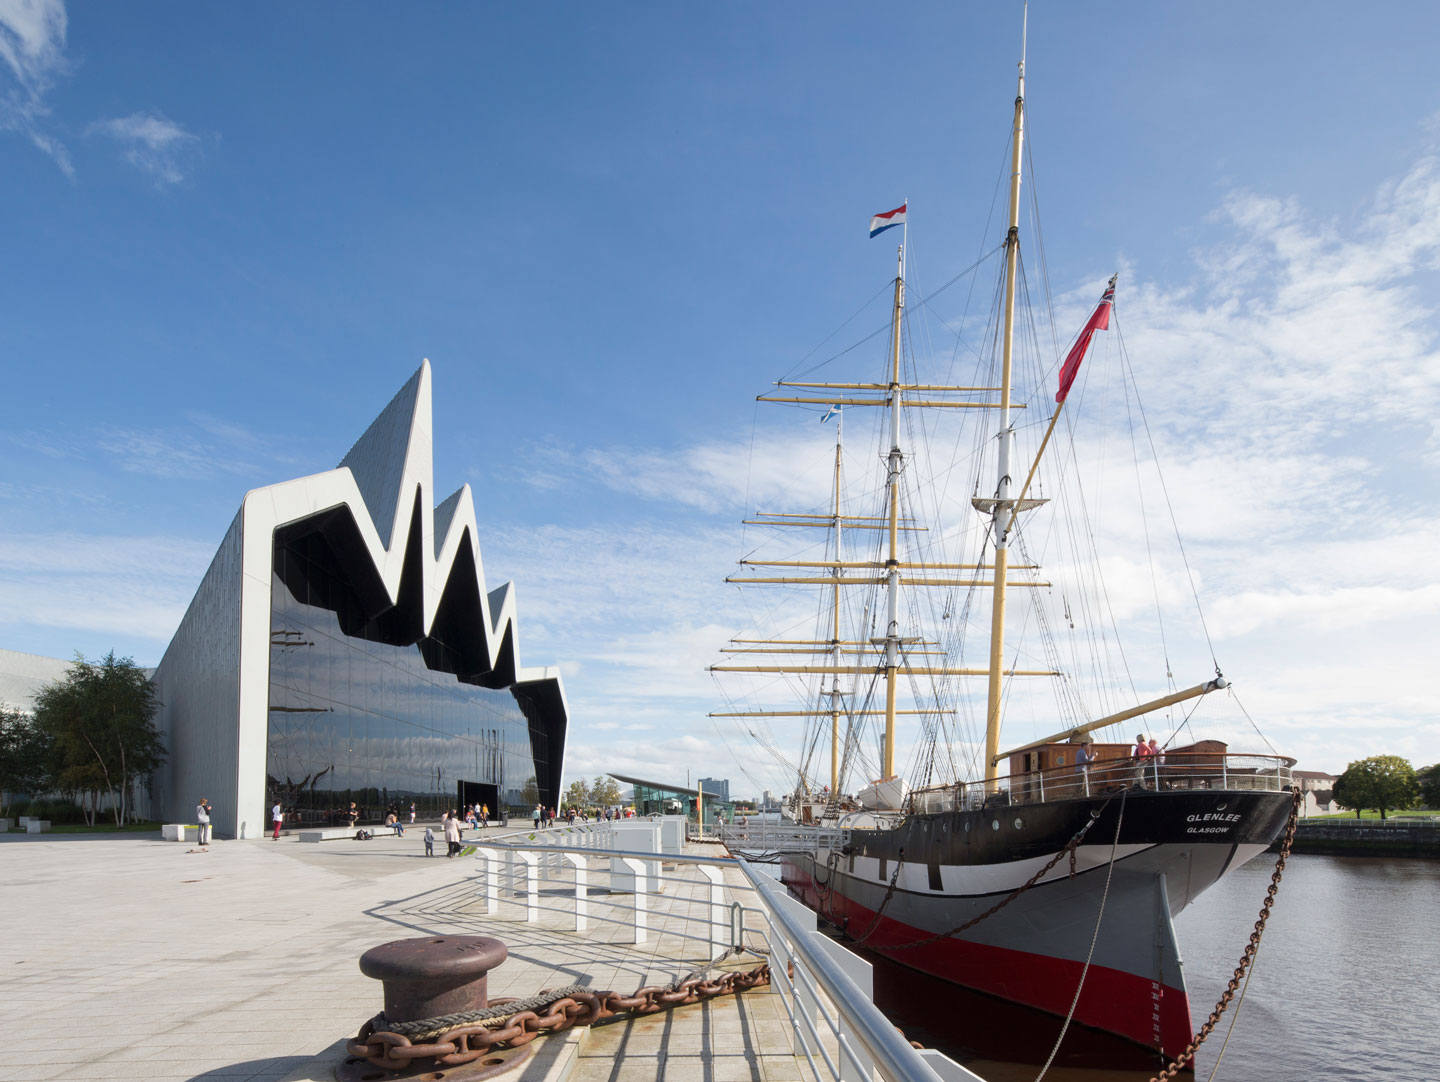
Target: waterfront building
[(1319, 790), (343, 651), (662, 798)]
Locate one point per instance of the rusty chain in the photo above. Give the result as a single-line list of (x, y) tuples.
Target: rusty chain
[(455, 1044), (1178, 1064)]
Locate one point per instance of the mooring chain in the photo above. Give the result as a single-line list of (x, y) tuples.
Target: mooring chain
[(1069, 849), (1178, 1064), (509, 1025)]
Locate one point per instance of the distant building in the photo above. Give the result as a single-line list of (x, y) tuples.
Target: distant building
[(716, 787), (1319, 790), (664, 798)]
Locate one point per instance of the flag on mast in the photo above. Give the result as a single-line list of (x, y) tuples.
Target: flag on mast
[(887, 220), (1099, 321)]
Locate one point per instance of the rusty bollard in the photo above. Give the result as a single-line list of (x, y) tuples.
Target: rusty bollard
[(435, 975)]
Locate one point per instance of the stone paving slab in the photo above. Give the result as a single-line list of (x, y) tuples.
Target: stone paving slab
[(172, 965)]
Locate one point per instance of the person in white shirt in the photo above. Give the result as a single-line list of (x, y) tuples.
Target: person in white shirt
[(202, 816), (277, 815), (452, 834)]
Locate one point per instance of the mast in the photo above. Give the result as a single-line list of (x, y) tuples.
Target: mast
[(1001, 515), (835, 648), (892, 563)]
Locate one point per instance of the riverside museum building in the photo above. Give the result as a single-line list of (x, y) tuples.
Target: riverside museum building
[(342, 649)]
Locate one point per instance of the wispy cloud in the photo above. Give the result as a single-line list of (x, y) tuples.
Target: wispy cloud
[(32, 45), (133, 587), (152, 143)]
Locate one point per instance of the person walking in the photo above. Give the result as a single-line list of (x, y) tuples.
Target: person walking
[(277, 814), (412, 811), (535, 815), (484, 815), (452, 834), (202, 816), (429, 842)]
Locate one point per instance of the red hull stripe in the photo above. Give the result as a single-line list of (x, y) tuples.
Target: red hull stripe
[(1141, 1010)]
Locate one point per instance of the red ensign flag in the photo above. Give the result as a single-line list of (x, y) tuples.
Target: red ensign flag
[(1099, 321)]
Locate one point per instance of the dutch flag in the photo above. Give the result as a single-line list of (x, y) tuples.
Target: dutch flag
[(887, 220)]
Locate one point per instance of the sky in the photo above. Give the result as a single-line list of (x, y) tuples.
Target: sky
[(231, 232)]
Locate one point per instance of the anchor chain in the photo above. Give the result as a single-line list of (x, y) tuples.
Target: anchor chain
[(1178, 1064), (452, 1040)]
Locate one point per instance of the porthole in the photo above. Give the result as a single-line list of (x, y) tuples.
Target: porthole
[(994, 824), (1019, 824), (1221, 806), (967, 828)]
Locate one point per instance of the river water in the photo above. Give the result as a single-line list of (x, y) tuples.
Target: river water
[(1346, 986)]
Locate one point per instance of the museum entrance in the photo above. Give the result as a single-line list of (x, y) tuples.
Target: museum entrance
[(471, 793)]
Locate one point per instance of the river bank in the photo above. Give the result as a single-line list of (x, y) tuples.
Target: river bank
[(1368, 838)]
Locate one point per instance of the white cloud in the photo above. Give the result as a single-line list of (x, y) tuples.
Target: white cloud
[(153, 144), (32, 45), (133, 587)]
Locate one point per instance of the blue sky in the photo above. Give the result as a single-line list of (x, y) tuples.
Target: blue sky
[(231, 232)]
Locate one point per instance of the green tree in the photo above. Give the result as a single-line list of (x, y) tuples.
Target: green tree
[(1428, 778), (577, 796), (1381, 782), (100, 721), (24, 755), (604, 791), (531, 791)]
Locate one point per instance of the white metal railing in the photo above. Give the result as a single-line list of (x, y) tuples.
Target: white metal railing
[(826, 991), (761, 840), (1186, 770)]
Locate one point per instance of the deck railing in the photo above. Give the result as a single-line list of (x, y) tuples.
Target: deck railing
[(826, 991), (1174, 771)]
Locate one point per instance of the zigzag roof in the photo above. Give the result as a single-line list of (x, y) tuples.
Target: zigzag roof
[(386, 480)]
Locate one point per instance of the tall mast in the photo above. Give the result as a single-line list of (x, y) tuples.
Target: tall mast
[(835, 648), (892, 563), (1001, 516)]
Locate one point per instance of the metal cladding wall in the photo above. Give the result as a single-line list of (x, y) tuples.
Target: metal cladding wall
[(198, 683), (214, 680)]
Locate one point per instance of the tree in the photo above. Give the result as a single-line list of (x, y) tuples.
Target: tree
[(577, 796), (1429, 780), (1381, 781), (604, 792), (24, 755), (100, 719)]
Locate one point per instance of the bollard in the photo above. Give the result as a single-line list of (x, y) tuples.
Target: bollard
[(434, 975)]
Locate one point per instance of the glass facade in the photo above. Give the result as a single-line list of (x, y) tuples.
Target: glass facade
[(358, 716), (652, 798)]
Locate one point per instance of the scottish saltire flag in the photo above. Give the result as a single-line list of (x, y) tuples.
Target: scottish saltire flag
[(887, 220), (831, 412)]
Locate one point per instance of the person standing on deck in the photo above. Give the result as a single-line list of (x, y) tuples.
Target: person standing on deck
[(452, 834), (1084, 756), (1142, 756)]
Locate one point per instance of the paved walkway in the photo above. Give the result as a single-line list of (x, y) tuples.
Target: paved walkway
[(156, 963)]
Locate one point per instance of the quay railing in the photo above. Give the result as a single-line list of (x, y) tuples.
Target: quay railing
[(1185, 770), (826, 991)]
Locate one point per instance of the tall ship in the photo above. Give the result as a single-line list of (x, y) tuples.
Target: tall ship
[(1047, 872)]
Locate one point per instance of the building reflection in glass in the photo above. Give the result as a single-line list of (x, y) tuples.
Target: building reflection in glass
[(355, 718)]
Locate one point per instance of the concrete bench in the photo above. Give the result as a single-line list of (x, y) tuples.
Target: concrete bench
[(180, 832), (37, 826)]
